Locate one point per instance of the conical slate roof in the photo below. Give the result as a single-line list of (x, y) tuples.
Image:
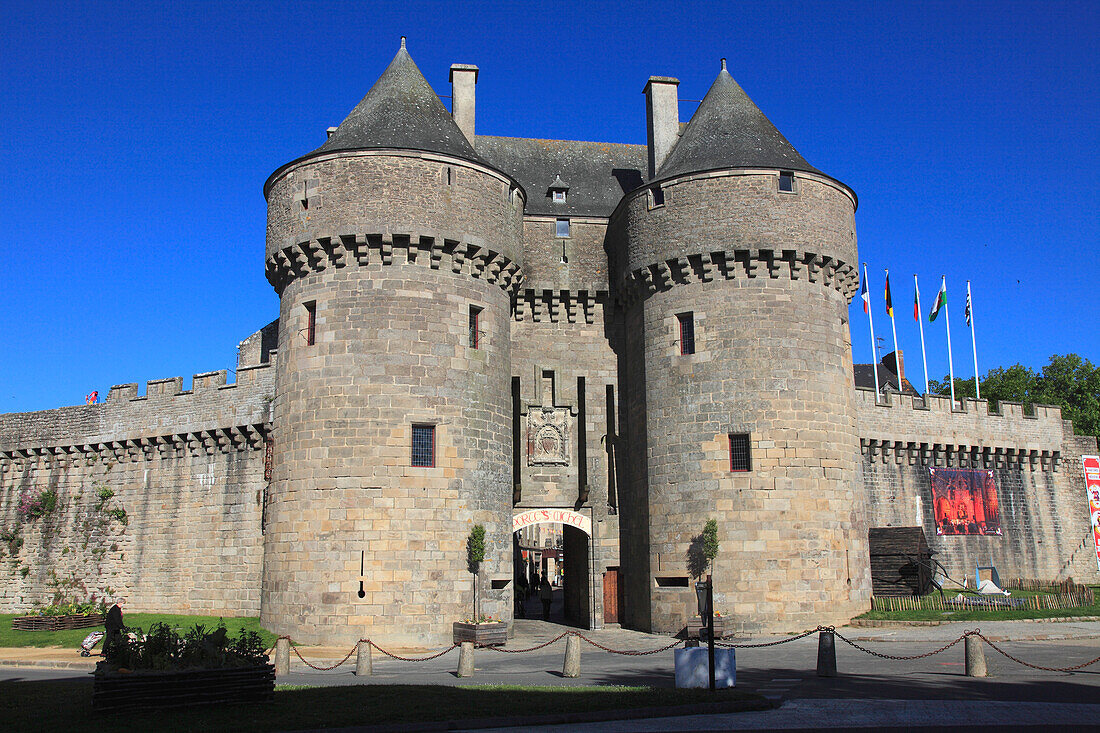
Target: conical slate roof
[(729, 131), (400, 111)]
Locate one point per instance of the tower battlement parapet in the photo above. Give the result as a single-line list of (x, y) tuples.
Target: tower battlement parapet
[(432, 250)]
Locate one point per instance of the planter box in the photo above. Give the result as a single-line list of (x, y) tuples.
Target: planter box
[(696, 623), (146, 690), (56, 623), (493, 633)]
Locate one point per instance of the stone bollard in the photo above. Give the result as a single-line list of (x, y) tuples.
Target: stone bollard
[(826, 654), (572, 666), (975, 657), (363, 665), (282, 656), (466, 659)]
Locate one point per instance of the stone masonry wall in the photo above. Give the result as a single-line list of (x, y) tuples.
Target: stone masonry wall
[(1036, 461), (159, 497)]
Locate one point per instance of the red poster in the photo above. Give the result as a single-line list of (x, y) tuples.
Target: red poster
[(1092, 486), (965, 501)]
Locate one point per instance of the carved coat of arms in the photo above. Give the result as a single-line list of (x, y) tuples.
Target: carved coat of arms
[(548, 436)]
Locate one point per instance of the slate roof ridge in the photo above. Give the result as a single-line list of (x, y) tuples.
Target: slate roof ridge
[(641, 146), (728, 130), (401, 111)]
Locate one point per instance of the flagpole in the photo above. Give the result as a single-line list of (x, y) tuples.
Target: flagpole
[(920, 322), (973, 343), (871, 322), (950, 361), (894, 329)]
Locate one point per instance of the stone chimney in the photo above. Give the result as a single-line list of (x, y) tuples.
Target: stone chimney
[(463, 81), (662, 119), (895, 362)]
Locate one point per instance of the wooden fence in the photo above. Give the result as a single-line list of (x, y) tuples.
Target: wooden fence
[(1083, 596)]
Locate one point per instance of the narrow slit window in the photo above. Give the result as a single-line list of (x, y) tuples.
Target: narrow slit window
[(475, 327), (423, 446), (450, 176), (561, 228), (687, 333), (311, 322), (786, 181), (740, 455)]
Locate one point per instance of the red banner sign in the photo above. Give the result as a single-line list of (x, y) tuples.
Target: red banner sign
[(1091, 465)]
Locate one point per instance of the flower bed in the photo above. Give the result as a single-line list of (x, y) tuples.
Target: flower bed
[(117, 690), (57, 623), (486, 633)]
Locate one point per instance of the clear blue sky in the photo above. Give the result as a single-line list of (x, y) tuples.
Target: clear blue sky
[(136, 139)]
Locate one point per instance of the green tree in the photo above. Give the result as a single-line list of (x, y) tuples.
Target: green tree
[(1070, 382), (475, 555)]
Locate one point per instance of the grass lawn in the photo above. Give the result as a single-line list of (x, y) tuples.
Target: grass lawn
[(66, 705), (10, 637), (970, 614)]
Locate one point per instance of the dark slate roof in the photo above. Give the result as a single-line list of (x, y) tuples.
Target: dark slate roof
[(887, 380), (401, 111), (598, 173), (729, 131)]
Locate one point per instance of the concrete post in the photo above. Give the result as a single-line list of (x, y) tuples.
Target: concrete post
[(826, 654), (572, 666), (463, 81), (282, 657), (363, 665), (466, 659), (975, 658)]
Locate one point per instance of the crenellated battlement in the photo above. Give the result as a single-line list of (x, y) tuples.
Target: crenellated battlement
[(571, 306), (386, 248), (931, 431), (738, 264), (201, 382)]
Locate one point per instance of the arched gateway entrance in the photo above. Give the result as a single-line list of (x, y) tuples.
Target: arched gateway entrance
[(567, 557)]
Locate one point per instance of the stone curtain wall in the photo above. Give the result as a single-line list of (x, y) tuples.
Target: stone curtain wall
[(159, 497), (1037, 468)]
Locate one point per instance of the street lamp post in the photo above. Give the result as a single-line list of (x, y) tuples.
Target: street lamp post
[(704, 593)]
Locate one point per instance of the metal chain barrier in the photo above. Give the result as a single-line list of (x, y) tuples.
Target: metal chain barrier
[(391, 655), (322, 669), (997, 649), (900, 658), (559, 637), (803, 635), (627, 652)]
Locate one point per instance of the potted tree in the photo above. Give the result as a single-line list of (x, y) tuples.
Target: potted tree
[(701, 555), (482, 630)]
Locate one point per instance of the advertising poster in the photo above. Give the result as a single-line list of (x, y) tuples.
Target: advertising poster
[(1092, 486), (965, 501)]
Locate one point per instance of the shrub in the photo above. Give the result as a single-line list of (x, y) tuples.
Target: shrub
[(34, 506), (163, 648)]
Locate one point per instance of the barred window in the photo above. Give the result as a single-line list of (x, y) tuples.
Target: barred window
[(740, 452), (687, 333), (475, 323), (423, 446)]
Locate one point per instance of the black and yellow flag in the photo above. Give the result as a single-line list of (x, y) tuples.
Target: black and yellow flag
[(889, 302)]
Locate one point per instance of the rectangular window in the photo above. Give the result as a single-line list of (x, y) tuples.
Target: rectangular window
[(475, 323), (786, 181), (740, 455), (561, 228), (311, 322), (559, 196), (423, 446), (687, 333), (658, 195)]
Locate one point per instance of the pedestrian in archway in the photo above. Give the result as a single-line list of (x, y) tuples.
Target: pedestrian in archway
[(546, 593)]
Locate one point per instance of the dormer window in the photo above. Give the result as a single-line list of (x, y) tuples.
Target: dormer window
[(558, 190)]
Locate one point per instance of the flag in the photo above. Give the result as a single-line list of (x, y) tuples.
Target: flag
[(968, 307), (866, 298), (916, 301), (941, 301), (889, 301)]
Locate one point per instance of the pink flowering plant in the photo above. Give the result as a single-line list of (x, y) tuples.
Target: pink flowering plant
[(36, 505)]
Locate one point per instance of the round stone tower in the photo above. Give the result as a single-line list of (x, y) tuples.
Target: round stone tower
[(736, 264), (394, 249)]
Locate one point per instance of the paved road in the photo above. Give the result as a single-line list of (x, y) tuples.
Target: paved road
[(870, 691)]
